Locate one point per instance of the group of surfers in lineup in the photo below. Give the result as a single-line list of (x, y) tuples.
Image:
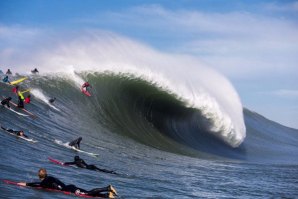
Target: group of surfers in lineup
[(50, 182)]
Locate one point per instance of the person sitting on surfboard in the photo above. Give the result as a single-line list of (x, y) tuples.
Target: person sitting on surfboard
[(6, 80), (34, 71), (82, 164), (50, 182), (76, 143), (8, 72), (28, 99), (6, 102)]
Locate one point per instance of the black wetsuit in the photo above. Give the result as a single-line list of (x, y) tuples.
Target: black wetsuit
[(52, 100), (53, 183), (20, 103), (6, 102), (82, 164), (34, 71), (18, 133), (76, 143)]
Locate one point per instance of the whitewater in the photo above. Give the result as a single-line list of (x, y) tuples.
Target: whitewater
[(170, 126)]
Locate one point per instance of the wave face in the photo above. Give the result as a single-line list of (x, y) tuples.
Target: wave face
[(132, 107)]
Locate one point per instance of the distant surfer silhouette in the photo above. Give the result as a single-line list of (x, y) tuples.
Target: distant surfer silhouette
[(8, 72), (34, 71)]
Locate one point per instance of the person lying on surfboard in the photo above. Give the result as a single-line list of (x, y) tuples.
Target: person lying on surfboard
[(18, 133), (6, 80), (6, 102), (50, 182), (76, 143), (82, 164)]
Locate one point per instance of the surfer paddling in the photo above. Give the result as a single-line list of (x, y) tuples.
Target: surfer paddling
[(17, 133), (82, 164), (50, 182)]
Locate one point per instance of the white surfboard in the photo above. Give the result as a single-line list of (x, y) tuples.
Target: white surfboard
[(21, 137), (16, 112), (65, 144)]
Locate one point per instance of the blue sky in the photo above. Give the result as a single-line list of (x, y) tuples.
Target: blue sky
[(253, 43)]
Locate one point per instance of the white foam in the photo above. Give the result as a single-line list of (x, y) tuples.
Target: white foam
[(41, 96)]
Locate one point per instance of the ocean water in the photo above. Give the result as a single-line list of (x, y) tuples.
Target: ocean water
[(160, 145)]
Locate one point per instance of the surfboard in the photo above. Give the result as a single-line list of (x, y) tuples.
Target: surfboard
[(56, 162), (21, 137), (65, 144), (16, 112), (85, 92), (18, 81), (25, 91), (9, 182), (31, 114)]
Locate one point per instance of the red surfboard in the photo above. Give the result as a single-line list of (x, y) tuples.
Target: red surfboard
[(85, 92)]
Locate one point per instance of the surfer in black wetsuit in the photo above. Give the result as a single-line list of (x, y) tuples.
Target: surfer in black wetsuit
[(50, 182), (20, 102), (6, 102), (52, 100), (18, 133), (34, 71), (82, 164), (76, 143), (8, 72)]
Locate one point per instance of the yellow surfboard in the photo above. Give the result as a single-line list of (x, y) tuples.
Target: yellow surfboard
[(25, 91), (18, 81)]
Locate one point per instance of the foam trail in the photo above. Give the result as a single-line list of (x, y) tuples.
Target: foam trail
[(184, 76), (41, 96)]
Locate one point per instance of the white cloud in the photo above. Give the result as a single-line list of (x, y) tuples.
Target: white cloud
[(229, 42)]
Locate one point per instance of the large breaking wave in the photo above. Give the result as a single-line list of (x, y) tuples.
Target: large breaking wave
[(216, 107)]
